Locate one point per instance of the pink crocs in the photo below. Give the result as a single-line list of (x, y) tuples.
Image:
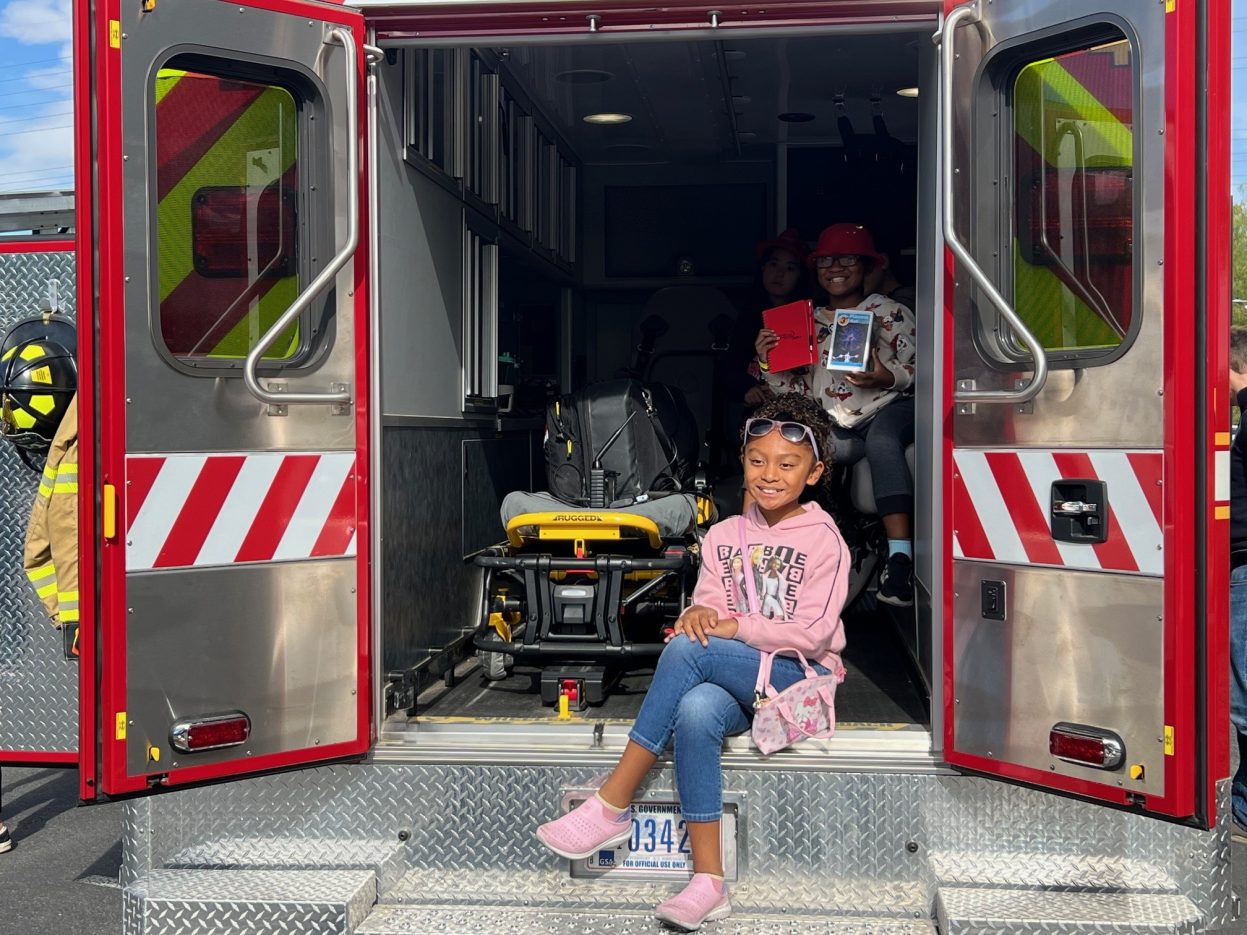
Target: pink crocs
[(585, 830), (703, 900)]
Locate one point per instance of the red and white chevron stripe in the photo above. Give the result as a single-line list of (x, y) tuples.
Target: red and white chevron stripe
[(1001, 508), (197, 510)]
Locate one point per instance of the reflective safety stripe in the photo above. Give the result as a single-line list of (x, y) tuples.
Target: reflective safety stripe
[(65, 487), (66, 469), (47, 482), (67, 615), (43, 571)]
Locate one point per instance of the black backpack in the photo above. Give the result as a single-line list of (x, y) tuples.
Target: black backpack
[(644, 435)]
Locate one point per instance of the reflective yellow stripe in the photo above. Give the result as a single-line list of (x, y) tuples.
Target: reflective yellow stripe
[(45, 491), (68, 616), (49, 474), (63, 469), (65, 487), (47, 590), (69, 596), (166, 80), (43, 571)]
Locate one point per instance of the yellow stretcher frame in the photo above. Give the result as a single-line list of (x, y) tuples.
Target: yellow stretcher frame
[(584, 526)]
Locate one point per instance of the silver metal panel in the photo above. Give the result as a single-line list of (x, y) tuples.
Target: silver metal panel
[(966, 911), (421, 282), (278, 642), (38, 685), (522, 920), (281, 902), (136, 841), (1082, 647), (219, 414), (1064, 412), (818, 843)]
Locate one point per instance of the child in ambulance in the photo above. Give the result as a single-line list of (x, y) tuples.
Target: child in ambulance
[(872, 413), (703, 687)]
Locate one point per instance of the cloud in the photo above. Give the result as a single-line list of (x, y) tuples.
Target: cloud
[(36, 22)]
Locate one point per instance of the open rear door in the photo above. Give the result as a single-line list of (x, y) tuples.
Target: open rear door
[(232, 495), (1086, 416)]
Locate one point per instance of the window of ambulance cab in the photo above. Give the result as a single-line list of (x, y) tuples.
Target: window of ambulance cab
[(230, 236), (1072, 145)]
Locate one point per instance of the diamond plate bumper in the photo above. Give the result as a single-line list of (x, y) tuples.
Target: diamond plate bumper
[(419, 920), (816, 848)]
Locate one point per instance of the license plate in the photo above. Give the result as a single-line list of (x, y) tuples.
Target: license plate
[(659, 845)]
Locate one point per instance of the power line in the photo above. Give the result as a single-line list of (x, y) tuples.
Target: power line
[(37, 61), (59, 126), (44, 171), (59, 113)]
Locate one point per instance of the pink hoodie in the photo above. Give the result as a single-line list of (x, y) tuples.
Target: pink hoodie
[(800, 570)]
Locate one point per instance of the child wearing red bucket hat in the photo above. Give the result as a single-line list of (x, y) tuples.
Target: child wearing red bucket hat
[(872, 413)]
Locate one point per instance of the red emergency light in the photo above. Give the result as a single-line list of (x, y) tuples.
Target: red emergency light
[(1086, 746), (244, 232), (194, 735)]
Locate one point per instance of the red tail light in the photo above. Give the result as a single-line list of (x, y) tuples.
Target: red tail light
[(193, 735), (1086, 746), (240, 232)]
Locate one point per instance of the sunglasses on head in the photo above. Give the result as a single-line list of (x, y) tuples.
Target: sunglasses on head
[(795, 432), (838, 259)]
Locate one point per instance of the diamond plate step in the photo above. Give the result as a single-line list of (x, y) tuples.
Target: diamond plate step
[(519, 920), (814, 893), (973, 911), (387, 859), (249, 902), (1028, 870)]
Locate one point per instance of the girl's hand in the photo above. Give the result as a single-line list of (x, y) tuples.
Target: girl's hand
[(700, 623), (759, 394), (878, 376), (763, 343)]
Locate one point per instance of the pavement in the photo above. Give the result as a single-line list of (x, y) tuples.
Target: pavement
[(61, 876)]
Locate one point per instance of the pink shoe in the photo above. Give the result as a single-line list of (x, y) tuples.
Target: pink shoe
[(585, 830), (703, 900)]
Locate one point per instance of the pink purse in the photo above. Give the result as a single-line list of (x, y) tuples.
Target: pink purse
[(804, 709)]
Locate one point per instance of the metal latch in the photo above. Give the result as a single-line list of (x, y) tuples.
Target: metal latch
[(1079, 510)]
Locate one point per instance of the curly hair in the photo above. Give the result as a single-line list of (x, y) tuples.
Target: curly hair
[(795, 407)]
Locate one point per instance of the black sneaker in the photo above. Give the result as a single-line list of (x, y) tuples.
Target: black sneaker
[(6, 843), (896, 581)]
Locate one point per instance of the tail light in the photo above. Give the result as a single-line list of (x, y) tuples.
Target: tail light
[(1086, 746), (241, 232), (194, 735)]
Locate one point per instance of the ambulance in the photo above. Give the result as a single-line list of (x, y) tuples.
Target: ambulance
[(328, 260)]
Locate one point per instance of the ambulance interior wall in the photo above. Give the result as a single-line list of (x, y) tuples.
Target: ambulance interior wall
[(442, 476), (39, 701)]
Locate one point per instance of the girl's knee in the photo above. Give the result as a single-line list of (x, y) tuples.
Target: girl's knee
[(701, 709)]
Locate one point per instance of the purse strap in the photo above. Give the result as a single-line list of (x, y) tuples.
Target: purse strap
[(763, 685), (751, 594)]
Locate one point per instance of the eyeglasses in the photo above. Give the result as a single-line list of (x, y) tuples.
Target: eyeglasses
[(795, 432), (846, 260)]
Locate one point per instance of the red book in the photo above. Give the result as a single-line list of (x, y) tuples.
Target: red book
[(794, 323)]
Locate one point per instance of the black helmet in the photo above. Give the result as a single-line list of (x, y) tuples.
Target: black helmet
[(38, 378)]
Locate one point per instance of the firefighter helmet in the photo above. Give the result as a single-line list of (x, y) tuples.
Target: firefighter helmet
[(38, 378)]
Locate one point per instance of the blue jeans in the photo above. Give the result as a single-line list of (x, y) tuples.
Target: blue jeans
[(1238, 687), (699, 696), (882, 442)]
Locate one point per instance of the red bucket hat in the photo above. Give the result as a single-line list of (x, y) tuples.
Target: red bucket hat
[(789, 240), (844, 238)]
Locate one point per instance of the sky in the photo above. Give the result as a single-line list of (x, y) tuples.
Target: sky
[(36, 137), (36, 108)]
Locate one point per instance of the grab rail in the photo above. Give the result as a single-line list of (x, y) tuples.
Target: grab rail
[(1036, 383), (318, 285)]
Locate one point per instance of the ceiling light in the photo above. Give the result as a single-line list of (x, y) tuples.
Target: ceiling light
[(907, 92), (583, 76), (608, 119), (796, 116)]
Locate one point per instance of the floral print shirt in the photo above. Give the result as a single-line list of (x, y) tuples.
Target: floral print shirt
[(849, 405)]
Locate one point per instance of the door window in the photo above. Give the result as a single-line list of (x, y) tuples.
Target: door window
[(1073, 237), (227, 223)]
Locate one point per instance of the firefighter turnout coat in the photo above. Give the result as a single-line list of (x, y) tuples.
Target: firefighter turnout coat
[(51, 556)]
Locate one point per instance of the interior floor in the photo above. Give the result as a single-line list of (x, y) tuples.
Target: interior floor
[(880, 687)]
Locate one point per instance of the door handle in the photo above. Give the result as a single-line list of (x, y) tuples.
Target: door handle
[(327, 275), (1039, 358), (1079, 510)]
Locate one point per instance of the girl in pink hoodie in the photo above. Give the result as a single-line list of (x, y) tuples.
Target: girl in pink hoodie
[(703, 687)]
